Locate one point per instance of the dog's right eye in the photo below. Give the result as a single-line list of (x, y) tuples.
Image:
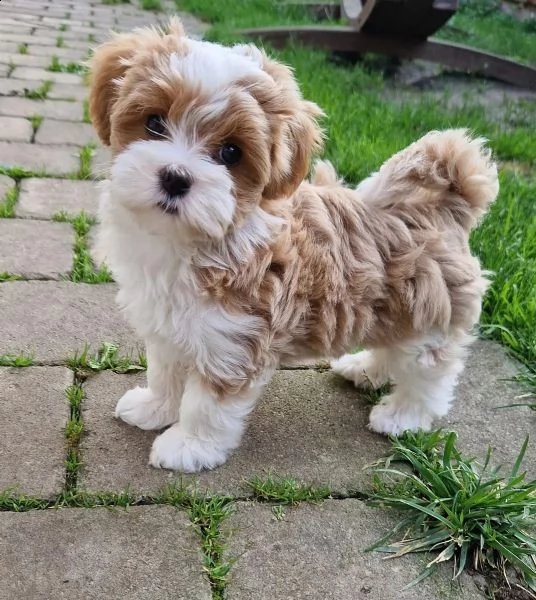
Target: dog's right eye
[(154, 125)]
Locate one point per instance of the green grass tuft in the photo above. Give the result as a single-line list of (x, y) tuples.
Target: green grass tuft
[(60, 42), (22, 48), (40, 92), (87, 118), (155, 5), (64, 27), (5, 276), (56, 66), (107, 357), (472, 517), (7, 205), (286, 490), (86, 156), (36, 121), (84, 270), (9, 501), (73, 433), (207, 514), (16, 360)]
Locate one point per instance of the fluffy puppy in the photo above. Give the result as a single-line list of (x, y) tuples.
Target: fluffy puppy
[(229, 263)]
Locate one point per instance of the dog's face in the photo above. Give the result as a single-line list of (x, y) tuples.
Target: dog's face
[(201, 134)]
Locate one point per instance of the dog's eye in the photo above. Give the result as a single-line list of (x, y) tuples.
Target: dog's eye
[(154, 124), (229, 155)]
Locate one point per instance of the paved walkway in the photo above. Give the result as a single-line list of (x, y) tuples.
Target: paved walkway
[(310, 424)]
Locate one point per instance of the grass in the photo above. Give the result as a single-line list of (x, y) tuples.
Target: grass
[(86, 117), (84, 269), (286, 490), (155, 5), (86, 157), (481, 23), (73, 432), (22, 48), (7, 205), (40, 92), (207, 514), (5, 276), (474, 517), (107, 357), (64, 27), (91, 38), (60, 42), (56, 66), (16, 360), (36, 121)]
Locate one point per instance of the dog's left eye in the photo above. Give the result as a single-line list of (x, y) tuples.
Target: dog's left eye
[(229, 155), (154, 124)]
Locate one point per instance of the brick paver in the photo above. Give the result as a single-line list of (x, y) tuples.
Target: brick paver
[(140, 554), (70, 133), (317, 552), (53, 109), (6, 183), (57, 160), (15, 129), (64, 317), (36, 249), (36, 75), (33, 413), (43, 198)]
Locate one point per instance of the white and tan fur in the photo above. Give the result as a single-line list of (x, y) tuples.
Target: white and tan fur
[(254, 265)]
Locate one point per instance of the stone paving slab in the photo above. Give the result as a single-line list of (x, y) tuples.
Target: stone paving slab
[(4, 70), (59, 160), (15, 129), (308, 425), (24, 60), (63, 91), (33, 414), (317, 552), (36, 249), (50, 109), (6, 183), (53, 319), (66, 54), (38, 75), (141, 553), (42, 198), (79, 134)]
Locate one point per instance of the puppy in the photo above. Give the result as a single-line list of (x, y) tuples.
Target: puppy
[(229, 263)]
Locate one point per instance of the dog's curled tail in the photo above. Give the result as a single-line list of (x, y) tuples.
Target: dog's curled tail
[(452, 170), (324, 173)]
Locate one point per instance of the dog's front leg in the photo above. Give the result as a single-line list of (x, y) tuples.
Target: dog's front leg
[(157, 405), (209, 427)]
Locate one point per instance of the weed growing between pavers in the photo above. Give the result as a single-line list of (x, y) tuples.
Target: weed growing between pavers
[(286, 490), (73, 433), (466, 514), (5, 276), (7, 205), (60, 42), (107, 357), (22, 48), (84, 269), (56, 66), (16, 360), (40, 92), (64, 27), (86, 157), (207, 513), (35, 121), (86, 117)]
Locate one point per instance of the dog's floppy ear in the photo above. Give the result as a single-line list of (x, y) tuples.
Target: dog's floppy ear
[(297, 135), (110, 62)]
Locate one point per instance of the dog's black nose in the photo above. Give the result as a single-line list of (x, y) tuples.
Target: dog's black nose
[(175, 182)]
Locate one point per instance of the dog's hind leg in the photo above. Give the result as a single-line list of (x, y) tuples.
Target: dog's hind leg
[(425, 373), (366, 369)]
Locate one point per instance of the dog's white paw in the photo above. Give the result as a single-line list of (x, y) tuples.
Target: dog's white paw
[(362, 368), (141, 408), (393, 416), (179, 451)]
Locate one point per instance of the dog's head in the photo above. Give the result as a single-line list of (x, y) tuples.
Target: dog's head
[(200, 133)]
